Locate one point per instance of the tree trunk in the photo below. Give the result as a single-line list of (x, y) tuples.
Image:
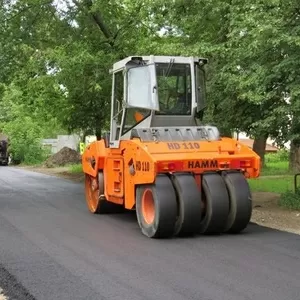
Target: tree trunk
[(259, 146), (98, 133), (84, 135), (98, 128), (294, 161), (226, 133)]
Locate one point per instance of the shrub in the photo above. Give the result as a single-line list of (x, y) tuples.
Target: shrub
[(290, 199), (281, 155), (25, 145)]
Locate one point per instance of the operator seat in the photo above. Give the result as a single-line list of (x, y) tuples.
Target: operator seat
[(183, 105)]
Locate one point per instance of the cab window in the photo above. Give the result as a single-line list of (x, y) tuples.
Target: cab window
[(174, 88)]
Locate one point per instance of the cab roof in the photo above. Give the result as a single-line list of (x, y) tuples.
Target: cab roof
[(156, 59)]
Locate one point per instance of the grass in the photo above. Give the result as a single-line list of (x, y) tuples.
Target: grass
[(277, 178), (276, 164), (75, 168), (290, 200), (276, 168), (278, 184), (283, 185)]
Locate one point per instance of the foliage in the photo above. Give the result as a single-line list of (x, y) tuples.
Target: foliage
[(276, 163), (251, 52), (280, 156), (24, 126), (75, 169), (25, 143), (55, 57), (290, 200)]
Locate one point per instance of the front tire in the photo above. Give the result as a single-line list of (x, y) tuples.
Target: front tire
[(94, 195), (156, 208)]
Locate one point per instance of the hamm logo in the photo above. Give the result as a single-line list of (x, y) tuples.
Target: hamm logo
[(203, 164)]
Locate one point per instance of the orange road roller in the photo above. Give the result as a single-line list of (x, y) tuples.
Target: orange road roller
[(159, 159)]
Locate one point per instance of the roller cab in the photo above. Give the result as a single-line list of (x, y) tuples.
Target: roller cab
[(179, 175)]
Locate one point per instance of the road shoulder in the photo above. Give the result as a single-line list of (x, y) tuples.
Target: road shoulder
[(11, 288)]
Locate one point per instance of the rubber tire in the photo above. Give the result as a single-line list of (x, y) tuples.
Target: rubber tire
[(189, 204), (165, 208), (240, 202), (103, 206), (4, 163), (217, 204)]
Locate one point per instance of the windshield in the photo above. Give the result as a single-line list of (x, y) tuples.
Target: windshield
[(174, 88)]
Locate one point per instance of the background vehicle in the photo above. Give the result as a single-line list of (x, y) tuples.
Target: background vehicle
[(179, 175), (4, 157)]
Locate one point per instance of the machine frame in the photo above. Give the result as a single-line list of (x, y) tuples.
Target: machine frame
[(180, 176)]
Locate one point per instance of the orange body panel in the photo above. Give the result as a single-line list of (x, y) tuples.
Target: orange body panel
[(113, 178), (95, 152), (137, 163)]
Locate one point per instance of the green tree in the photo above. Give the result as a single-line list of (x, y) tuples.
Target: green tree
[(246, 44)]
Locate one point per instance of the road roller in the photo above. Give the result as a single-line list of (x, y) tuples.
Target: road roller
[(159, 159)]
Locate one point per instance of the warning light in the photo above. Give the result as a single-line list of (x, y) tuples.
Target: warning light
[(169, 166)]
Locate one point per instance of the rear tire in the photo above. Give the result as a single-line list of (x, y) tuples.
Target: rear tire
[(216, 202), (189, 204), (95, 199), (240, 202), (156, 208)]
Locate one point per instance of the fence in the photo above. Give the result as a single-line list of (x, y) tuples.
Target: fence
[(55, 145)]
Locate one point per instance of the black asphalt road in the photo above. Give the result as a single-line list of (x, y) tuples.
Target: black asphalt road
[(55, 249)]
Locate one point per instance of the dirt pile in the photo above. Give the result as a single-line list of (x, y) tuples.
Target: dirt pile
[(63, 157)]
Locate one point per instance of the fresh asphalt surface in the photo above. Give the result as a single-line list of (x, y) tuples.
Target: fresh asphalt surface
[(51, 247)]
